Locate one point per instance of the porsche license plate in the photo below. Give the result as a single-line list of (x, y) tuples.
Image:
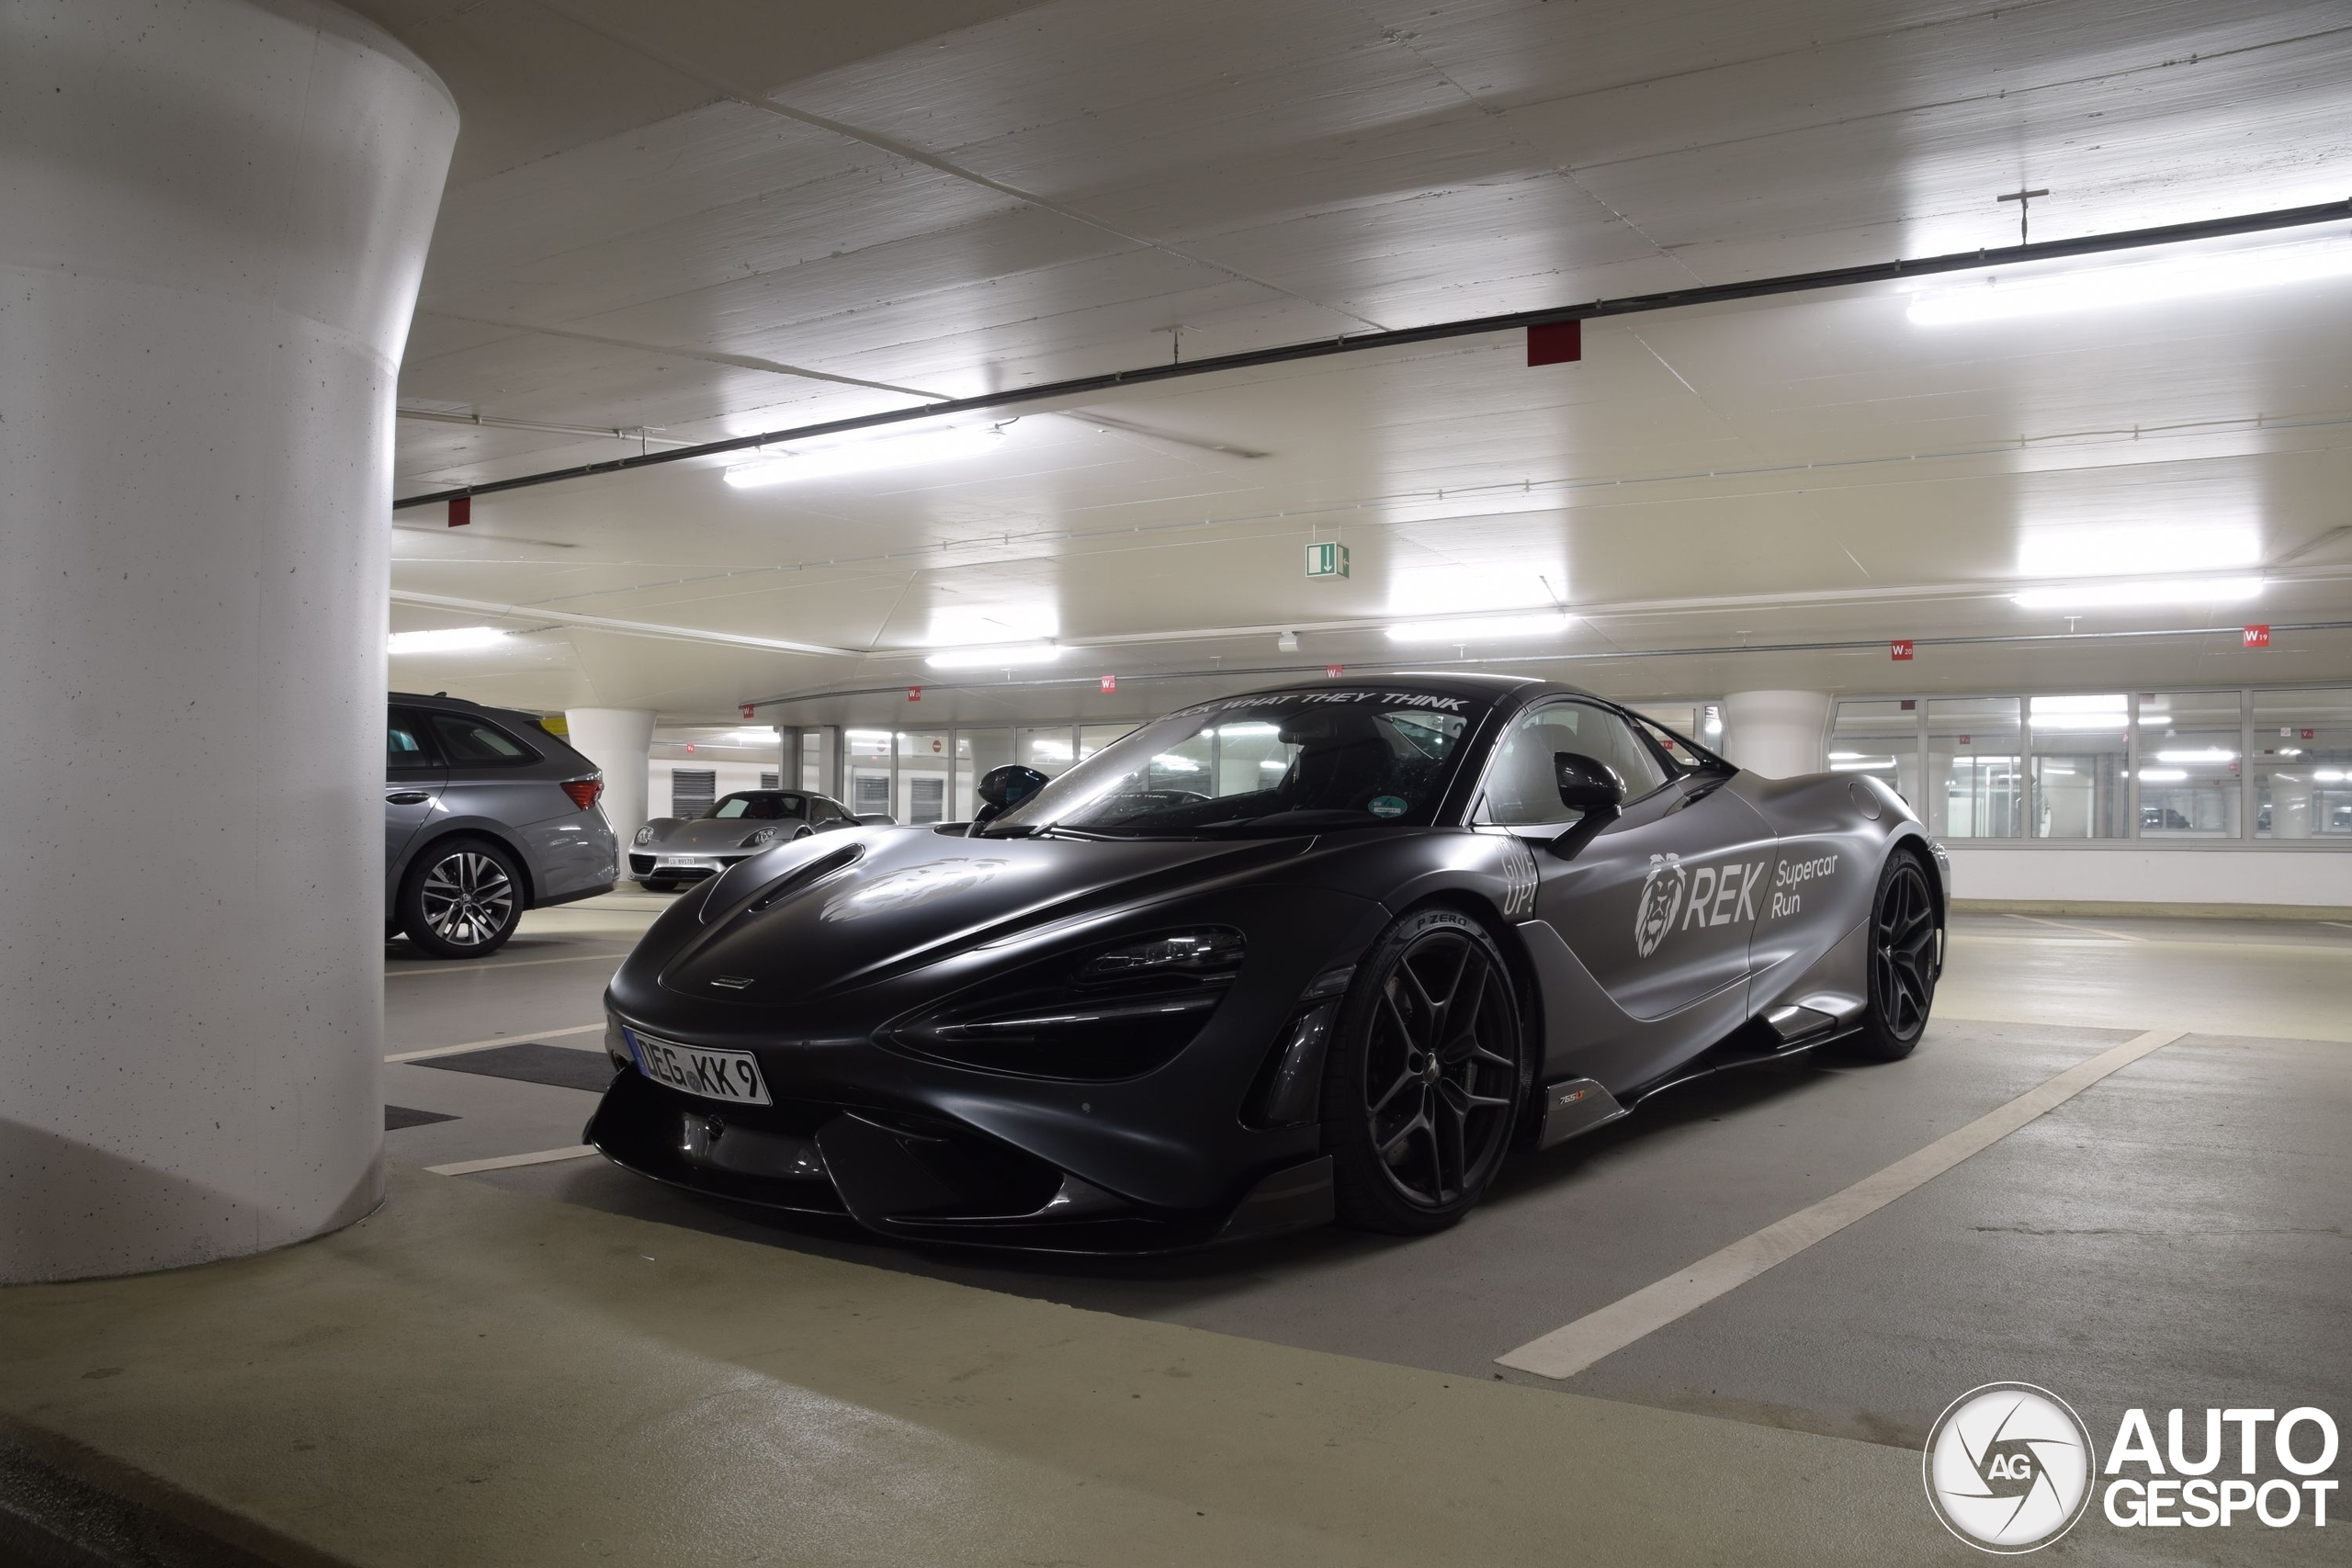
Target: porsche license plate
[(714, 1075)]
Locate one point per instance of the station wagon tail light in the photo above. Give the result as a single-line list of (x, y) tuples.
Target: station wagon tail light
[(585, 792)]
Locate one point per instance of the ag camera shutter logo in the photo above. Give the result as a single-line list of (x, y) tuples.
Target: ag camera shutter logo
[(2009, 1467)]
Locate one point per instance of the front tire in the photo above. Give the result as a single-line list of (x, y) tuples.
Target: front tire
[(1902, 962), (461, 899), (1426, 1077)]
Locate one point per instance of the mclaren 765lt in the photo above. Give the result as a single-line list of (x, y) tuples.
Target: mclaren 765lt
[(1328, 952)]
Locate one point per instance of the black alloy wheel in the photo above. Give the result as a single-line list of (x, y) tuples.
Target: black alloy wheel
[(1426, 1077), (461, 899), (1902, 956)]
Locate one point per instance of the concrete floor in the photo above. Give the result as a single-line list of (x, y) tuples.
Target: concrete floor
[(2174, 1236)]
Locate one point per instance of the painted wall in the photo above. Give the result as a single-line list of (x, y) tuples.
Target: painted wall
[(731, 776), (2131, 874)]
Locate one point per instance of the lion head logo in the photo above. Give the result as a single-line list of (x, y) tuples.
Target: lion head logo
[(1661, 897)]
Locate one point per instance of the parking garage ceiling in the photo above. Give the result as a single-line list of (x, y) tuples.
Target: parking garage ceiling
[(709, 219)]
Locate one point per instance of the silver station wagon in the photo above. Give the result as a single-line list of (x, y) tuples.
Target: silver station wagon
[(486, 815)]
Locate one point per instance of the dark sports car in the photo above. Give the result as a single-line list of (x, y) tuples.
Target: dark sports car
[(1327, 952)]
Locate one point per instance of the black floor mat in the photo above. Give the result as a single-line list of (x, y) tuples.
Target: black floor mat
[(532, 1063), (397, 1116)]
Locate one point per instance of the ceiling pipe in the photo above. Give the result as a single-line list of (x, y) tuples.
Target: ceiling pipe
[(1843, 646), (637, 433), (1357, 342)]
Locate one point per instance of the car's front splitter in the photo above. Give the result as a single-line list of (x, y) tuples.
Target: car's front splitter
[(919, 1179)]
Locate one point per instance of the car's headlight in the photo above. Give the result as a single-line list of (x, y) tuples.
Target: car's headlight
[(765, 835), (645, 834), (1109, 1013), (1205, 951)]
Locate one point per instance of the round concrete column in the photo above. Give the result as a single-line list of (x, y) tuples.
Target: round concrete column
[(1777, 734), (2290, 804), (213, 215), (619, 741)]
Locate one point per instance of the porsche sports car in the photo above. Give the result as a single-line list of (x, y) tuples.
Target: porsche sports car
[(671, 850), (1330, 951)]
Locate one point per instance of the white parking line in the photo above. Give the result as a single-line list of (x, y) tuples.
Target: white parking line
[(393, 972), (507, 1162), (522, 1039), (1564, 1352), (2074, 926)]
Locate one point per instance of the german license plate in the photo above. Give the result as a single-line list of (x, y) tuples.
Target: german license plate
[(695, 1069)]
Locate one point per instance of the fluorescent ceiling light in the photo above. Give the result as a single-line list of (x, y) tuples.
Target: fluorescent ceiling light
[(1861, 765), (2329, 775), (449, 640), (2078, 705), (1003, 656), (2112, 595), (1176, 764), (879, 453), (2171, 277), (1250, 729), (969, 626), (2202, 754), (2109, 549), (1479, 628), (2163, 775), (1417, 592), (754, 737)]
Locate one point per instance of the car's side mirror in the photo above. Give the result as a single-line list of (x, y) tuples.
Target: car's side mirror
[(1588, 783), (1001, 789)]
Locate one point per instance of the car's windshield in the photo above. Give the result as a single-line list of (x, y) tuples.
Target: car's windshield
[(1303, 761), (760, 806)]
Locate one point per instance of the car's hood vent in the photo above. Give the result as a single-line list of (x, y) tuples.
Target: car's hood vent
[(801, 922), (769, 878)]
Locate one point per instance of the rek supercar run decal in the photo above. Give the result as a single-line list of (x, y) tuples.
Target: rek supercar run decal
[(1678, 895)]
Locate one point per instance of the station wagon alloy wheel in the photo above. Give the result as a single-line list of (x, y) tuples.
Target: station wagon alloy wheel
[(462, 902), (469, 900)]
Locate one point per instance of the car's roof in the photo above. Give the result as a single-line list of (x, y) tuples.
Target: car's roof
[(1442, 683)]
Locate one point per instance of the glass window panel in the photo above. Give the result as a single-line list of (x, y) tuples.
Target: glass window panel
[(2078, 766), (1093, 737), (1045, 747), (2189, 764), (1879, 735), (924, 763), (977, 752), (1974, 768), (868, 774), (2303, 765)]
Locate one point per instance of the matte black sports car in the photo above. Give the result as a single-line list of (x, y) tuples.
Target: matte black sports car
[(1325, 952)]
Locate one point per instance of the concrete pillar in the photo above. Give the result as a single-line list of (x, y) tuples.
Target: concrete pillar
[(213, 215), (1777, 734), (619, 741)]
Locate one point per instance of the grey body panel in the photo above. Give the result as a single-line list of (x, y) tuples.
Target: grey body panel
[(565, 852)]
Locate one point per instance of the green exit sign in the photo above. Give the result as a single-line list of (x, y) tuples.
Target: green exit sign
[(1326, 560)]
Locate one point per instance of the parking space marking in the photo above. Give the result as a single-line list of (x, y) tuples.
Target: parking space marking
[(1565, 1352), (2071, 926), (478, 967), (507, 1162), (431, 1052)]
